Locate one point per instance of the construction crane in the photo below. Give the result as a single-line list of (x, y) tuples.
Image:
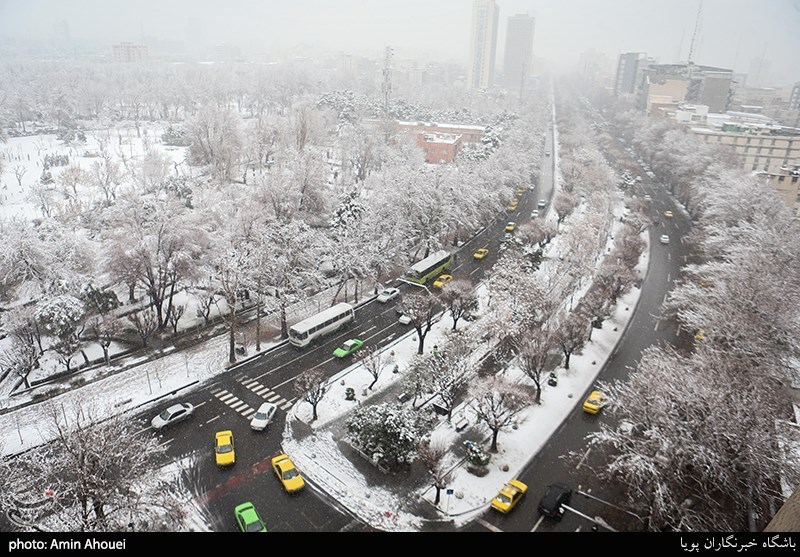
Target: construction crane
[(696, 33)]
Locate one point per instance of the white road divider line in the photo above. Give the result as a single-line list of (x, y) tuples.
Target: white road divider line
[(487, 525)]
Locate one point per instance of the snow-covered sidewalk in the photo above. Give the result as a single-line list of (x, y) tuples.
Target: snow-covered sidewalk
[(319, 452)]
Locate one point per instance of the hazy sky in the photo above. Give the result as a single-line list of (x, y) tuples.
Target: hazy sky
[(733, 32)]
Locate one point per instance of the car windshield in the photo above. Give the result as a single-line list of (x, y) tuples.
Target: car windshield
[(503, 498), (345, 346), (254, 527), (387, 292), (165, 415), (289, 474), (260, 416), (224, 448)]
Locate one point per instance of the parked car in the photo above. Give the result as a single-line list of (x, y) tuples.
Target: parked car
[(287, 473), (388, 294), (511, 226), (223, 448), (173, 414), (247, 518), (263, 416), (664, 239), (442, 280), (509, 496), (513, 206), (348, 347), (594, 402), (480, 253), (552, 503)]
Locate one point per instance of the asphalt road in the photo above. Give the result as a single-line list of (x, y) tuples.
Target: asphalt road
[(229, 400), (646, 328)]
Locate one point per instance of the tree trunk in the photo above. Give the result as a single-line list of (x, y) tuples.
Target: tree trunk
[(567, 355), (85, 357), (438, 495), (314, 408), (284, 325), (169, 307), (105, 354), (132, 292), (421, 342), (258, 316), (232, 339), (495, 432)]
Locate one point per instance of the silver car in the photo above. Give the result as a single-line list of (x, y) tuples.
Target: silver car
[(173, 414), (664, 239), (263, 416), (388, 294)]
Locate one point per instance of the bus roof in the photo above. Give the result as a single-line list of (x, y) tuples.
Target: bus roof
[(321, 317), (428, 262)]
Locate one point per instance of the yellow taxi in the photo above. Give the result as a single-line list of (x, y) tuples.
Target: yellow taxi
[(442, 280), (509, 496), (223, 448), (513, 205), (511, 226), (480, 253), (287, 473), (520, 190), (594, 402), (701, 334), (668, 214)]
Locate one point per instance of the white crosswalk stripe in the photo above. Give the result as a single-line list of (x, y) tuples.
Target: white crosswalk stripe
[(239, 405), (274, 397), (224, 396), (248, 412), (260, 390), (286, 405)]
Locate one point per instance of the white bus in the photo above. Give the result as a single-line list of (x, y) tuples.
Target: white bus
[(306, 331)]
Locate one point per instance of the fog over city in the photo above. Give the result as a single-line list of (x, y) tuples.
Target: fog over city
[(732, 33), (399, 265)]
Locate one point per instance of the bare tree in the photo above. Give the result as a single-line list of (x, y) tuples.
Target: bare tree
[(311, 387), (19, 174), (98, 476), (570, 334), (145, 322), (174, 317), (564, 204), (21, 358), (421, 309), (375, 362), (594, 307), (497, 404), (103, 329), (459, 299), (432, 456), (533, 357), (615, 279), (417, 380)]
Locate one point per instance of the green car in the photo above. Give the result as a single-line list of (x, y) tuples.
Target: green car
[(247, 518), (348, 347)]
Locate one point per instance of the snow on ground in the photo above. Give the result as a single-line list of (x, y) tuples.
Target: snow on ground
[(320, 457), (152, 381), (27, 154)]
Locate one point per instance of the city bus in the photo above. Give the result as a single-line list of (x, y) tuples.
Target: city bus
[(430, 267), (308, 330)]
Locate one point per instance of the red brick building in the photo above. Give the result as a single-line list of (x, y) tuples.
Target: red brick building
[(442, 142)]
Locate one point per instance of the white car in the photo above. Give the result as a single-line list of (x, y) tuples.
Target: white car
[(404, 320), (664, 239), (534, 213), (388, 294), (542, 204), (263, 416), (174, 413)]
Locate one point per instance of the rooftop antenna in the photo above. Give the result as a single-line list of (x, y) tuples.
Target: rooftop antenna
[(696, 33)]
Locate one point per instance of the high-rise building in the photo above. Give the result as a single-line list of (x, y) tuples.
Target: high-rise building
[(794, 99), (518, 59), (629, 73), (483, 44), (129, 52)]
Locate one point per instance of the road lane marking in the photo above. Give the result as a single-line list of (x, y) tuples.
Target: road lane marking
[(583, 458), (214, 418), (260, 389), (538, 523), (215, 390), (487, 525), (196, 406), (368, 330), (274, 397), (475, 271), (165, 443), (286, 405), (225, 397), (246, 412)]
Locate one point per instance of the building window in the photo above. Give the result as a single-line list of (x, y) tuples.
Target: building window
[(781, 178)]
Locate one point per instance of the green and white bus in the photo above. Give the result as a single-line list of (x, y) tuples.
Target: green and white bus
[(430, 267), (306, 331)]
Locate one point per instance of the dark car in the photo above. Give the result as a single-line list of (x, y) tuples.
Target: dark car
[(553, 500)]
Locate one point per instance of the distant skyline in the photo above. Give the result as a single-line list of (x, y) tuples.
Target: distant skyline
[(733, 32)]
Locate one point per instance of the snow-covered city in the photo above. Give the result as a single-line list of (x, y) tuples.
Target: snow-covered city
[(475, 266)]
